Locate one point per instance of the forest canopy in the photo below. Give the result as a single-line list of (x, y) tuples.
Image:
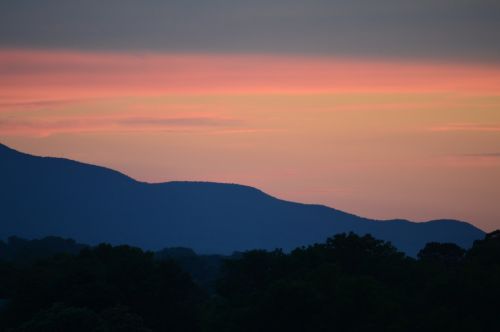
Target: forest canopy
[(347, 283)]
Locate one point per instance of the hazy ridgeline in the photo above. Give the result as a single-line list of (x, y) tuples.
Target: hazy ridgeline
[(348, 283), (42, 196)]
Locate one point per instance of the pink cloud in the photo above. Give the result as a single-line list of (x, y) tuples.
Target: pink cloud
[(46, 127), (27, 75)]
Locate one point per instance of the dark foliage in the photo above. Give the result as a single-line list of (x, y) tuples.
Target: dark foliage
[(353, 283), (93, 284), (204, 269), (27, 251), (348, 283)]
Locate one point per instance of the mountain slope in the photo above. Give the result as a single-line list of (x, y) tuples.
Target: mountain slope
[(41, 196)]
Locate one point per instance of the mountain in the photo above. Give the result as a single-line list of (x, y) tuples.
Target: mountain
[(43, 196)]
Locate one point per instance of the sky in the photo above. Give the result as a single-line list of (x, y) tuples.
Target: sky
[(385, 109)]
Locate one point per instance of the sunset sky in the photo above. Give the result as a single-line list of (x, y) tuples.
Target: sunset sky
[(385, 109)]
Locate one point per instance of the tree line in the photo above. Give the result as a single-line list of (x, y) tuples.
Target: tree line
[(347, 283)]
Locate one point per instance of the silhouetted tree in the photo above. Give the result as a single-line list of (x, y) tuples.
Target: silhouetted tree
[(444, 253), (104, 277), (348, 283), (59, 318)]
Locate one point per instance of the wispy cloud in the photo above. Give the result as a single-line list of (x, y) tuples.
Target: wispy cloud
[(473, 127), (44, 75), (481, 155), (17, 106), (469, 160), (47, 127)]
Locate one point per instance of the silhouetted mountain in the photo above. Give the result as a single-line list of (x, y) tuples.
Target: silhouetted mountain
[(42, 196)]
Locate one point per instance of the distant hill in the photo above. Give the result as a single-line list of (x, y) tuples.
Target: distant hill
[(43, 196)]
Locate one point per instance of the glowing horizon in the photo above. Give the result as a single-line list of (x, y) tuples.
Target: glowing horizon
[(415, 139)]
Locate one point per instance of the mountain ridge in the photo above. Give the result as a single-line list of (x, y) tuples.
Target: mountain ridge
[(56, 196)]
